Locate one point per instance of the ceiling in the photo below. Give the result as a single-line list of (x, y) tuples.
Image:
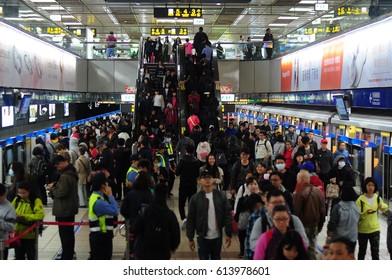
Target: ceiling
[(223, 21)]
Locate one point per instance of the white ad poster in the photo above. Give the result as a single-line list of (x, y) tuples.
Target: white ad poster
[(28, 62)]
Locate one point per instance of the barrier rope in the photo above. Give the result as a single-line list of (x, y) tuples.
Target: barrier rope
[(20, 235)]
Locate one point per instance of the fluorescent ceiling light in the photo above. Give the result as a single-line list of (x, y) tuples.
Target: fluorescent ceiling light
[(55, 17), (53, 8), (278, 24), (174, 20), (72, 23), (311, 2), (110, 14), (67, 16), (327, 16), (299, 9), (43, 1), (288, 17)]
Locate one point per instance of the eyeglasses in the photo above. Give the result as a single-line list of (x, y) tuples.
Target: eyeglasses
[(281, 220)]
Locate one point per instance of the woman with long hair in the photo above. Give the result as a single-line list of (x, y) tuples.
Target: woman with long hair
[(214, 169), (29, 209), (291, 247)]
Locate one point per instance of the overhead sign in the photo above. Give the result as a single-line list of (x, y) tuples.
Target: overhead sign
[(198, 21), (351, 11), (321, 7), (128, 98), (227, 97), (178, 13), (169, 31)]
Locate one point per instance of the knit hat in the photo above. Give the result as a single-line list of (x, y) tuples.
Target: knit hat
[(307, 165)]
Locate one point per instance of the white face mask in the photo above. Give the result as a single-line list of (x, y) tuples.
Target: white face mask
[(341, 163), (280, 166), (11, 173)]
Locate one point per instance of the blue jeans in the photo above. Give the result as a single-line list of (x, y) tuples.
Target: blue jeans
[(209, 248), (110, 52)]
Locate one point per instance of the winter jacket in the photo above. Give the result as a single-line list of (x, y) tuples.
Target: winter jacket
[(133, 201), (65, 194), (279, 148), (7, 219), (23, 209), (369, 223), (188, 170), (257, 230), (238, 173), (309, 205), (344, 219), (325, 160), (263, 149), (203, 150), (197, 219), (83, 168), (143, 248)]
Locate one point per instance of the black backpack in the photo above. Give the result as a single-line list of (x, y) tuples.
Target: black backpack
[(221, 159), (156, 228), (42, 167)]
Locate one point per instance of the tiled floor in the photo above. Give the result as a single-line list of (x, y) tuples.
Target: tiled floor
[(49, 243)]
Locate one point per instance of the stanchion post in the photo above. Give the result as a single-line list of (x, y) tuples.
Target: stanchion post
[(36, 241), (2, 249), (127, 239)]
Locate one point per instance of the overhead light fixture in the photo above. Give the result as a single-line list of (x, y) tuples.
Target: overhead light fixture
[(300, 9), (67, 16), (288, 17), (174, 20), (72, 23), (278, 24), (53, 8), (218, 4), (43, 1), (310, 2), (55, 17), (110, 14)]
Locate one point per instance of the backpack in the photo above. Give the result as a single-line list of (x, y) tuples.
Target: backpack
[(42, 167), (221, 159), (156, 228)]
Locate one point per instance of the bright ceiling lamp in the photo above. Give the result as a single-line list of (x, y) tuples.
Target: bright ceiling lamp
[(288, 17), (43, 1), (72, 23), (278, 24), (110, 14), (55, 17), (53, 8), (311, 2), (300, 9)]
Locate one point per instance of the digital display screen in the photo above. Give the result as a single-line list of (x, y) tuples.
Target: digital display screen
[(52, 111), (33, 113), (7, 116), (341, 108), (66, 109), (24, 105)]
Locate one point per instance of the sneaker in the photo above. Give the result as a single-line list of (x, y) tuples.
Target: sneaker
[(183, 225)]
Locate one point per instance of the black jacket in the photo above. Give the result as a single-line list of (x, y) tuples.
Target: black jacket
[(325, 160), (133, 201), (188, 170), (197, 219), (147, 249), (345, 174)]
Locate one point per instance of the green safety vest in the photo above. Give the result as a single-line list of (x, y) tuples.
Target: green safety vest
[(169, 148), (103, 223), (162, 160), (129, 171)]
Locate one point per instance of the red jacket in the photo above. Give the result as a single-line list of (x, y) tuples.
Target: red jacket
[(171, 116), (314, 181)]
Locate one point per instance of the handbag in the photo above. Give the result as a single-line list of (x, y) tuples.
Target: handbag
[(332, 191), (16, 243)]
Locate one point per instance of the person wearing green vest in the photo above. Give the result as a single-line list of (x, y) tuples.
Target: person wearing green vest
[(102, 209), (132, 171)]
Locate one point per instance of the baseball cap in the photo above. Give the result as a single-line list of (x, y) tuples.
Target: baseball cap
[(324, 141), (56, 126), (206, 174), (307, 165)]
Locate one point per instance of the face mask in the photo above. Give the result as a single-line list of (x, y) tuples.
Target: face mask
[(11, 173), (280, 166), (168, 139), (341, 163), (157, 164)]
